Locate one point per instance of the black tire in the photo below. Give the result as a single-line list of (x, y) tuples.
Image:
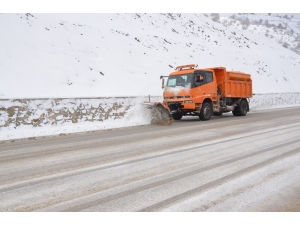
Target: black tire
[(206, 112), (177, 116), (241, 109), (234, 112), (218, 114)]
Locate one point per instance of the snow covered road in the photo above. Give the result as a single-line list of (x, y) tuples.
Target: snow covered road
[(225, 164)]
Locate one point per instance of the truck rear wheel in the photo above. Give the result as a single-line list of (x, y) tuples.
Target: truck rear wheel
[(206, 111), (234, 112), (241, 109), (177, 116)]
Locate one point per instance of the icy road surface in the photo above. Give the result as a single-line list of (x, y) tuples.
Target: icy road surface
[(228, 163)]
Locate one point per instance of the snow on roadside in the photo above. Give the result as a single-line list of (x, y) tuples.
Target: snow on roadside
[(274, 100), (137, 115), (247, 192)]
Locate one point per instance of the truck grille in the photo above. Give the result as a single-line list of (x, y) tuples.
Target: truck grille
[(174, 105)]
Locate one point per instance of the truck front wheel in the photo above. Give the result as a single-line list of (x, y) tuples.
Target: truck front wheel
[(206, 111)]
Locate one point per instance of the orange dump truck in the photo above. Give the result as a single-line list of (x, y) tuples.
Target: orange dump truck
[(190, 91)]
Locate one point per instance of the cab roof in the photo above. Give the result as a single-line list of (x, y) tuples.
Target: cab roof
[(190, 68)]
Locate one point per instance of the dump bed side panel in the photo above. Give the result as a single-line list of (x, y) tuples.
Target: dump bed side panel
[(237, 85), (233, 84)]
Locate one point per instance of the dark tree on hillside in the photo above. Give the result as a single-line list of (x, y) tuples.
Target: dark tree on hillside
[(285, 45), (267, 24), (279, 26), (215, 17)]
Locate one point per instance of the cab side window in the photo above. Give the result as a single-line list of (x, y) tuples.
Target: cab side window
[(199, 79), (209, 77), (203, 77)]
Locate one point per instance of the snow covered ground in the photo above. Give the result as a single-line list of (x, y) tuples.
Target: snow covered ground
[(138, 115)]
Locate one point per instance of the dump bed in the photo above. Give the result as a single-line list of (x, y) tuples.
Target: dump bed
[(233, 84)]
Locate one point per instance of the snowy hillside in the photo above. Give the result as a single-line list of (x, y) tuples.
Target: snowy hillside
[(283, 28), (94, 55)]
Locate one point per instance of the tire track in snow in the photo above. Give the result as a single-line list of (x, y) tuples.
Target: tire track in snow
[(200, 170), (218, 182), (74, 169)]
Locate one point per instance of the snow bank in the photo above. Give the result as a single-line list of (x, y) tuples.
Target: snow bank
[(274, 100), (39, 117), (62, 116)]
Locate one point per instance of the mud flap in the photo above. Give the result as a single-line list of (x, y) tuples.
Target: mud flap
[(160, 115)]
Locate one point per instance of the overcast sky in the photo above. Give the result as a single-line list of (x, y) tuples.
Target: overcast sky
[(153, 6)]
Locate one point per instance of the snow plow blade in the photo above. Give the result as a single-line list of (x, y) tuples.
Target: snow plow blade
[(160, 114)]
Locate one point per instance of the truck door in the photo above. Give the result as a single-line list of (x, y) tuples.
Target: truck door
[(208, 87)]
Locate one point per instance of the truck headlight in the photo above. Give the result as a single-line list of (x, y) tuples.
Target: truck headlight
[(188, 102)]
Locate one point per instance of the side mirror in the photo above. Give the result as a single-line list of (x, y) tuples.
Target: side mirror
[(163, 83)]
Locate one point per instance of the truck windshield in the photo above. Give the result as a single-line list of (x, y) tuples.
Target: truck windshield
[(183, 80)]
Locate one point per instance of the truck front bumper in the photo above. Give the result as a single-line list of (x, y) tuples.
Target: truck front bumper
[(181, 106)]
